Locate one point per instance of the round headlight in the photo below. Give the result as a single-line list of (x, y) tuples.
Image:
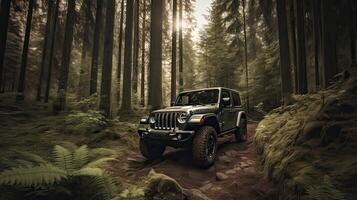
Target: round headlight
[(152, 120), (182, 118)]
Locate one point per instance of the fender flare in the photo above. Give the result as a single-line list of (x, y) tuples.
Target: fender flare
[(240, 115)]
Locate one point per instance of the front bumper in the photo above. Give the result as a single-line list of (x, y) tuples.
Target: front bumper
[(172, 137)]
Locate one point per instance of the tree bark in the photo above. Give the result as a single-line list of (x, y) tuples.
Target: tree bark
[(82, 89), (126, 100), (301, 51), (4, 22), (106, 85), (120, 49), (25, 49), (46, 44), (286, 87), (292, 40), (181, 48), (143, 38), (246, 55), (352, 32), (66, 57), (316, 35), (329, 43), (95, 54), (52, 50), (174, 51), (136, 47), (155, 80)]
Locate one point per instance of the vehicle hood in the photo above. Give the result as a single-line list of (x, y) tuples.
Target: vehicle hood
[(195, 109)]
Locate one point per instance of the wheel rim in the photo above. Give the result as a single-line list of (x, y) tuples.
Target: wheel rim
[(211, 146)]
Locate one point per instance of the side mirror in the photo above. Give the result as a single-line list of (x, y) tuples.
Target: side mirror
[(226, 101)]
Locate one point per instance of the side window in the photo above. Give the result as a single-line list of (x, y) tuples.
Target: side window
[(236, 99), (226, 94)]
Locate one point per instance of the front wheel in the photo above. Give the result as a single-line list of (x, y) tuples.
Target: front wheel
[(241, 133), (204, 147), (151, 151)]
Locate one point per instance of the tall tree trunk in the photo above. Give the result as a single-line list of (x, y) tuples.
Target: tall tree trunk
[(52, 50), (4, 22), (292, 40), (352, 32), (120, 49), (126, 100), (46, 47), (329, 43), (316, 35), (181, 48), (143, 38), (174, 50), (106, 85), (301, 51), (136, 47), (25, 49), (95, 54), (246, 55), (82, 89), (66, 57), (286, 87), (155, 80)]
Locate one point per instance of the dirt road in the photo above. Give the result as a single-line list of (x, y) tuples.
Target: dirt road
[(233, 176)]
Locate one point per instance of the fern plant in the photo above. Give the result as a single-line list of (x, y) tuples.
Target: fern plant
[(73, 173)]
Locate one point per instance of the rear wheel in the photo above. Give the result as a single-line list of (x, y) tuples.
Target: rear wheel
[(241, 133), (151, 151), (204, 147)]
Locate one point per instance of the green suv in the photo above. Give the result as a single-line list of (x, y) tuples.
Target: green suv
[(194, 121)]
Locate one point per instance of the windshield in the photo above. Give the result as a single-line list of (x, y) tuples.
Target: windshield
[(202, 97)]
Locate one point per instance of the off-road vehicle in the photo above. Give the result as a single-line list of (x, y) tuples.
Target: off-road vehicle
[(195, 120)]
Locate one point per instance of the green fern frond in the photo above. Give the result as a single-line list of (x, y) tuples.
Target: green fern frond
[(32, 157), (100, 152), (80, 156), (26, 163), (99, 162), (63, 158), (69, 145), (32, 176), (107, 187), (89, 171)]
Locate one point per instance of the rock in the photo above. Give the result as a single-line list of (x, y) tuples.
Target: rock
[(194, 194), (244, 158), (225, 159), (237, 169), (206, 187), (221, 176), (160, 186), (230, 172), (231, 153), (244, 164), (216, 188), (249, 170)]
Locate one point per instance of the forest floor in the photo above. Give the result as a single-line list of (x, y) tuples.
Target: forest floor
[(235, 174)]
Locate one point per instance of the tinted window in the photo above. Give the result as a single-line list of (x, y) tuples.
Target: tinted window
[(236, 99), (226, 94), (203, 97)]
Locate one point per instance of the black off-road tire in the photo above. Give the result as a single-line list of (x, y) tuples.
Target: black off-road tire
[(201, 144), (151, 151), (242, 134)]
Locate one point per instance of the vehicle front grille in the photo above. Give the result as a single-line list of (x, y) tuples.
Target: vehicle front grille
[(166, 120)]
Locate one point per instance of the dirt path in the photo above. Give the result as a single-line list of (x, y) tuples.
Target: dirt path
[(233, 176)]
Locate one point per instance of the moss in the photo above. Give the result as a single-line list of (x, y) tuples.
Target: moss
[(313, 138)]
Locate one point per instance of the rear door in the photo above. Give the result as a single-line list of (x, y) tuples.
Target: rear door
[(227, 113), (237, 106)]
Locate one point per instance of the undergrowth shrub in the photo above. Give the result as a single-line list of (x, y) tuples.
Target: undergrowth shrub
[(84, 122), (72, 173)]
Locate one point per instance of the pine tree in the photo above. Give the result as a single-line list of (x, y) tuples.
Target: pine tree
[(155, 65), (106, 86), (4, 22), (120, 49), (25, 48), (174, 50)]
